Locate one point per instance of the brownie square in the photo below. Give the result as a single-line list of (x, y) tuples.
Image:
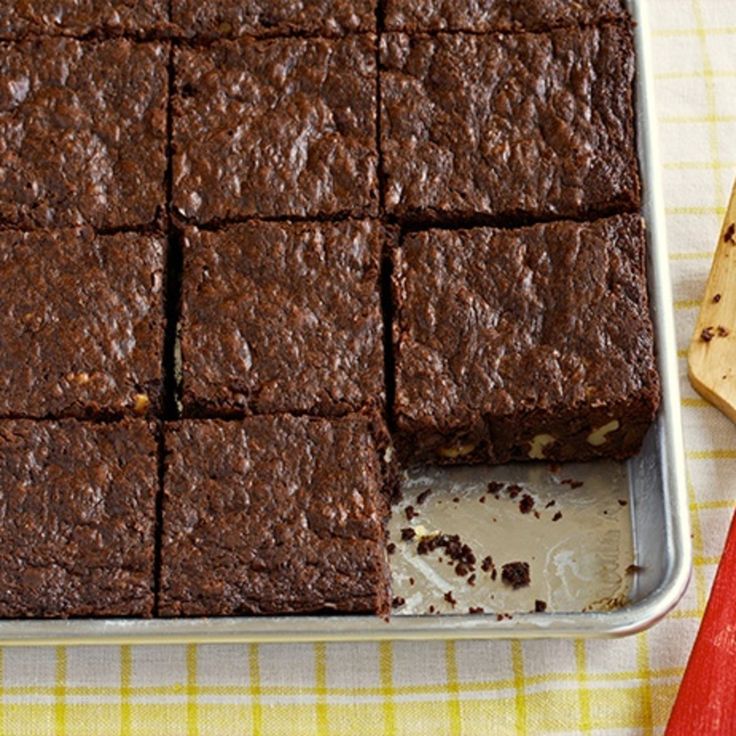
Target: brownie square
[(82, 133), (271, 17), (19, 18), (273, 515), (498, 15), (81, 323), (77, 518), (282, 317), (499, 128), (280, 127), (533, 343)]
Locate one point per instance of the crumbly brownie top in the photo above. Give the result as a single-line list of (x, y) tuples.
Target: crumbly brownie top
[(275, 127), (81, 323), (499, 322), (273, 515), (82, 133), (77, 518), (282, 317), (19, 18), (264, 17), (509, 126), (498, 15)]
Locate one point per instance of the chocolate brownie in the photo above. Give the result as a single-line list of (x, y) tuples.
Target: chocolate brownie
[(498, 15), (279, 127), (495, 128), (82, 133), (271, 515), (282, 317), (81, 323), (77, 517), (19, 18), (271, 17), (530, 343)]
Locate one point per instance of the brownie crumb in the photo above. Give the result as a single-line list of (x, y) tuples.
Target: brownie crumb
[(411, 581), (422, 497), (494, 574), (398, 601), (526, 504), (461, 569), (550, 504), (407, 534), (572, 483), (633, 569), (728, 236), (450, 598), (487, 564), (411, 512), (476, 609), (707, 334), (495, 488), (623, 502), (482, 499), (516, 574), (716, 298), (723, 331), (471, 579), (456, 500), (453, 546), (557, 516), (499, 617), (540, 606), (514, 490), (431, 609), (390, 548)]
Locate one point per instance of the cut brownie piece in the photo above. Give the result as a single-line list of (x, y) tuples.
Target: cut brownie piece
[(530, 343), (498, 15), (274, 515), (81, 323), (282, 317), (492, 127), (77, 518), (276, 127), (19, 18), (271, 17), (82, 133)]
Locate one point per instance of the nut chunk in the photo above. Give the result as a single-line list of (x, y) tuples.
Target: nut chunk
[(82, 133), (509, 126), (81, 323), (282, 317), (274, 128), (274, 515), (528, 344), (77, 518)]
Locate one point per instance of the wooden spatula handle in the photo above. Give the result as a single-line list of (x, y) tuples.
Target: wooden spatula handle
[(706, 702)]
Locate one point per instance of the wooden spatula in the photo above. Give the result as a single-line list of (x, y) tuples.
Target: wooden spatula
[(706, 702)]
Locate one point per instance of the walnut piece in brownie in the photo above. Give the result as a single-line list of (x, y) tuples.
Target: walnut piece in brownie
[(77, 518), (483, 16), (282, 127), (19, 18), (282, 317), (227, 18), (533, 343), (82, 133), (274, 515), (506, 127), (81, 323)]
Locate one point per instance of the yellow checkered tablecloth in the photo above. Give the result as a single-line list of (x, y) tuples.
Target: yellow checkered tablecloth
[(613, 687)]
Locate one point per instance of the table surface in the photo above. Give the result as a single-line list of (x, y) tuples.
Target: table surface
[(600, 687)]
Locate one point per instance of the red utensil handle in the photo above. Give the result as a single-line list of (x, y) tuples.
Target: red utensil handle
[(706, 701)]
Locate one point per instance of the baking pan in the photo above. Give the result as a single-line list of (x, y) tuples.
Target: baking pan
[(608, 544)]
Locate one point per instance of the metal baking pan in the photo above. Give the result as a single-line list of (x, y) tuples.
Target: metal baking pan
[(615, 561)]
